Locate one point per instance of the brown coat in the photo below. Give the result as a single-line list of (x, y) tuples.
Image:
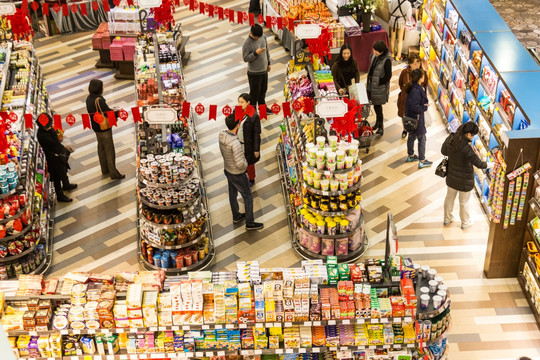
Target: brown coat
[(404, 79)]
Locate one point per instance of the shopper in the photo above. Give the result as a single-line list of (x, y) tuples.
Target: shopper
[(460, 173), (105, 144), (249, 135), (257, 56), (235, 170), (414, 62), (378, 81), (56, 155), (400, 12), (255, 7), (416, 104), (345, 70)]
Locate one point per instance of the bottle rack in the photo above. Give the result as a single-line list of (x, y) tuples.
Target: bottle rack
[(176, 225)]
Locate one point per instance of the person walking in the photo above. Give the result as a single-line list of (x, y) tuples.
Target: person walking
[(378, 81), (345, 70), (56, 155), (105, 144), (255, 53), (235, 165), (249, 135), (415, 106), (414, 62), (460, 172)]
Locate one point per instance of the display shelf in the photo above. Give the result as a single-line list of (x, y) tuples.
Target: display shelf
[(23, 253), (18, 214), (532, 265), (535, 205), (10, 192), (199, 265), (528, 296), (172, 185), (328, 172), (170, 207), (430, 311), (337, 236), (19, 234), (350, 257), (440, 337), (331, 213), (176, 247), (332, 193), (174, 226)]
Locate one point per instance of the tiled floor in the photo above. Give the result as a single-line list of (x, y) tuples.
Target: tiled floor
[(97, 232)]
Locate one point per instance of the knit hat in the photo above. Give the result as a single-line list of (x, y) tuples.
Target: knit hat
[(380, 46)]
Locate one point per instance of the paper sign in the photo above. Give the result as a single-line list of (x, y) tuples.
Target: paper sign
[(331, 108), (7, 9), (160, 115), (147, 4), (307, 31)]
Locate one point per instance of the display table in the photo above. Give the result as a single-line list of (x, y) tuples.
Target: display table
[(362, 46)]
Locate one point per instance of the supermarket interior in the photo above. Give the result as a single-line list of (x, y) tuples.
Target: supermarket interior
[(353, 262)]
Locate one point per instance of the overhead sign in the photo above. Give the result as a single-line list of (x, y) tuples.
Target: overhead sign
[(147, 4), (7, 9), (160, 115), (331, 108), (307, 31)]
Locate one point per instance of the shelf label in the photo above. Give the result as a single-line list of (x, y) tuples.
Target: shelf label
[(259, 325), (331, 322), (302, 350), (315, 350), (32, 333), (185, 327), (110, 357), (64, 332), (242, 326), (205, 327), (221, 353), (175, 328), (96, 357), (372, 347), (397, 320), (344, 354), (9, 9), (124, 357), (218, 327), (133, 357), (346, 322), (288, 324), (332, 348), (153, 328), (199, 353), (374, 321), (331, 108), (143, 356), (397, 346), (160, 115), (148, 4), (257, 352), (91, 331), (307, 323), (316, 323), (384, 320), (307, 31), (189, 354), (76, 331), (105, 331), (407, 319), (229, 326), (280, 351), (386, 346), (288, 351), (360, 321)]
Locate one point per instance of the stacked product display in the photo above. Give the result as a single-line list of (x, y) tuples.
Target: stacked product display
[(321, 176), (174, 226), (356, 311), (26, 200)]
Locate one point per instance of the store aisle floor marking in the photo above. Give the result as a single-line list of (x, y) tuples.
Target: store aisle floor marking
[(62, 60), (83, 86), (114, 256), (287, 246)]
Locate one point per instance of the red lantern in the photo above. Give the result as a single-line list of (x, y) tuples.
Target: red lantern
[(13, 117), (275, 108), (74, 8), (123, 114), (199, 109), (56, 7), (250, 110), (227, 110), (43, 119), (297, 105), (98, 118), (70, 119)]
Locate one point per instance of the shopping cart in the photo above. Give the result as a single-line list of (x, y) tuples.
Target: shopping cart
[(365, 135)]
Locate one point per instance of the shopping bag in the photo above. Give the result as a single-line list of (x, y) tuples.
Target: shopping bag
[(427, 118), (442, 168)]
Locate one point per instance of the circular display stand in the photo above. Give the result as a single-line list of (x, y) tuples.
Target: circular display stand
[(350, 257)]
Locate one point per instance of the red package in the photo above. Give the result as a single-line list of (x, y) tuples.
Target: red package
[(3, 251), (15, 247), (2, 231)]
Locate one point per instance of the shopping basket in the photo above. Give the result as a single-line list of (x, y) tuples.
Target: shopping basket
[(365, 134)]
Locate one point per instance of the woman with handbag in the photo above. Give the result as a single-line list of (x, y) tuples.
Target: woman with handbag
[(97, 108), (414, 62), (57, 156), (250, 136), (345, 70), (460, 172), (415, 106)]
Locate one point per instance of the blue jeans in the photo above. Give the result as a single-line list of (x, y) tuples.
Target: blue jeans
[(421, 145), (240, 184)]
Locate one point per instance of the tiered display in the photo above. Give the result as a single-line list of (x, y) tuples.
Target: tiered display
[(322, 176), (26, 198), (174, 226), (319, 308)]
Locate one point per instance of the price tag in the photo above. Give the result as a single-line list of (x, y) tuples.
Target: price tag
[(153, 328), (247, 352), (199, 353), (268, 325), (64, 332), (407, 319), (288, 351), (333, 348), (91, 331), (384, 320), (344, 354), (76, 331), (242, 326), (219, 327), (397, 346), (410, 345), (397, 320), (181, 356), (32, 333), (331, 322), (206, 327), (316, 323), (133, 357), (74, 358), (279, 351), (259, 325), (189, 354), (229, 326), (155, 356), (386, 346), (124, 357), (185, 327), (209, 354), (143, 356), (307, 323), (315, 349), (162, 328), (110, 357), (221, 353), (372, 347), (361, 347), (346, 322), (277, 325), (55, 359), (288, 324), (374, 321), (105, 331), (96, 357), (258, 352)]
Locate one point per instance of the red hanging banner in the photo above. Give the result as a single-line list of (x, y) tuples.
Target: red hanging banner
[(95, 5), (70, 119), (130, 2), (185, 109), (136, 114), (268, 21), (231, 15), (308, 105), (260, 18), (191, 5), (116, 2), (297, 105), (56, 7), (238, 113), (123, 114), (240, 17), (280, 23), (227, 110), (199, 109), (291, 25), (262, 111), (86, 121), (210, 10), (105, 4), (202, 8), (34, 5), (28, 121), (83, 9), (286, 109), (45, 9), (112, 118), (251, 19), (57, 122), (212, 112), (74, 8), (250, 110), (65, 10), (220, 13)]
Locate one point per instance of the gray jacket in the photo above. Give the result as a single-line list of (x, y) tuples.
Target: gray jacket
[(232, 152), (379, 92), (257, 64)]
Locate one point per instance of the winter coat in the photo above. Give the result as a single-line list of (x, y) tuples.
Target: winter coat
[(252, 138), (460, 172), (257, 63), (343, 74), (233, 155), (48, 139), (404, 79), (415, 106), (91, 108), (377, 88)]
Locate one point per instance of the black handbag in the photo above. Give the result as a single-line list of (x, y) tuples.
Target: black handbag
[(442, 168), (410, 124), (64, 155)]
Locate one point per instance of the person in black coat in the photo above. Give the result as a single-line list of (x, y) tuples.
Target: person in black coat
[(415, 106), (105, 143), (52, 148), (460, 172), (250, 136)]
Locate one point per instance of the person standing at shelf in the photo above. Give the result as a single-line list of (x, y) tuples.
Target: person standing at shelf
[(255, 53), (249, 135), (56, 155), (235, 166), (460, 172), (400, 12), (415, 107), (345, 70), (378, 81), (105, 144), (414, 62)]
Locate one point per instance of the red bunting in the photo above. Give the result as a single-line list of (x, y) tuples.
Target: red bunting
[(297, 105), (291, 24), (74, 8), (70, 119), (251, 19), (262, 111), (45, 9), (116, 2), (280, 23), (57, 122), (83, 9), (250, 110), (202, 8), (13, 117), (268, 21), (28, 121), (240, 17), (308, 105), (123, 114), (185, 109), (65, 10), (227, 110), (260, 18), (238, 113), (191, 5), (34, 5), (98, 117), (286, 109), (211, 10), (130, 2), (95, 5), (43, 119), (213, 112), (220, 13), (112, 118), (186, 2), (106, 5), (86, 121), (275, 108), (231, 15), (56, 7), (136, 114), (199, 109)]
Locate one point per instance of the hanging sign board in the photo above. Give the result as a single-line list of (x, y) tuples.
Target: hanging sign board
[(7, 9), (147, 4), (160, 115), (307, 31), (331, 108)]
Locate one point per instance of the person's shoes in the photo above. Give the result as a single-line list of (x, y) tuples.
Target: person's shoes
[(466, 226), (240, 218), (69, 187), (269, 111), (122, 176), (412, 158), (380, 131), (254, 226), (251, 182), (403, 134), (446, 223), (424, 164), (63, 198), (375, 127)]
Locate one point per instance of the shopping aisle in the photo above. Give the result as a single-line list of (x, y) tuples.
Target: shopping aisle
[(97, 232)]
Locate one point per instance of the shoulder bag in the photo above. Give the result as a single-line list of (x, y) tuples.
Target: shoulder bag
[(409, 123), (104, 124), (64, 155), (442, 168)]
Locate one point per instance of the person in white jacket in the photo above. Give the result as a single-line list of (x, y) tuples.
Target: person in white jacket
[(235, 165)]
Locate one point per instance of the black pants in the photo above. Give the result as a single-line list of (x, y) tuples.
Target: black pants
[(255, 6), (106, 154), (258, 84), (58, 180), (379, 114)]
